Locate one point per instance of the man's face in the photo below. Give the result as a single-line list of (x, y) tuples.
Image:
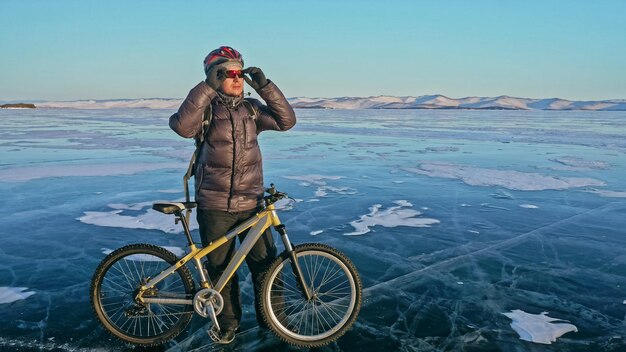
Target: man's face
[(232, 86)]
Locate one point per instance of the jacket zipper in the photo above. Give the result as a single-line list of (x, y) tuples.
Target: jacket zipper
[(245, 133), (232, 173)]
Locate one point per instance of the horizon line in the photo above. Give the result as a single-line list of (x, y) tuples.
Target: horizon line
[(309, 97)]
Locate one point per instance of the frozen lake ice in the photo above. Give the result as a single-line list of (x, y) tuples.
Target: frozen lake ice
[(472, 230)]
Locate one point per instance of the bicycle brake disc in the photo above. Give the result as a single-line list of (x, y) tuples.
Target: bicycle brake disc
[(207, 299)]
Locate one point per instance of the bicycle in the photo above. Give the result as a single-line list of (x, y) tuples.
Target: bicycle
[(145, 295)]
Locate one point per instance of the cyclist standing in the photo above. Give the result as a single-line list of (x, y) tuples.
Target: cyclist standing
[(229, 170)]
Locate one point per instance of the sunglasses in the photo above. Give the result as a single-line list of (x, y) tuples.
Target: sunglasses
[(234, 73)]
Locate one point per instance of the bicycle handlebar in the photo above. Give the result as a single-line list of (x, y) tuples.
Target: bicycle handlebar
[(274, 195)]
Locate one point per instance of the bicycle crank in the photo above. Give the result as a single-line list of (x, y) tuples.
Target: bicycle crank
[(208, 303)]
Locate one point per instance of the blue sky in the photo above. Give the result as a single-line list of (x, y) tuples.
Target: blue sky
[(67, 50)]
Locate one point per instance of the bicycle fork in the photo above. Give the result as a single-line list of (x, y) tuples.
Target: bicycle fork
[(295, 266)]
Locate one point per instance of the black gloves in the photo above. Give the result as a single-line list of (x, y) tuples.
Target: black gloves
[(216, 74), (257, 79), (215, 77)]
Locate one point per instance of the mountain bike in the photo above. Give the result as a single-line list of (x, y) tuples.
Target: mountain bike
[(145, 295)]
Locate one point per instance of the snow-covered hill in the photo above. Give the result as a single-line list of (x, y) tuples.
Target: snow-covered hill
[(375, 102), (154, 103), (443, 102)]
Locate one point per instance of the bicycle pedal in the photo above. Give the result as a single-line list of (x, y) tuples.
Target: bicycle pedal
[(214, 333)]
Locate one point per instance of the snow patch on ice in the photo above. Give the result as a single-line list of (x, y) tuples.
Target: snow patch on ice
[(529, 206), (607, 193), (578, 163), (320, 181), (488, 205), (12, 294), (322, 191), (23, 174), (396, 216), (339, 190), (404, 203), (149, 220), (285, 204), (538, 328), (169, 191), (137, 206), (314, 179), (513, 180)]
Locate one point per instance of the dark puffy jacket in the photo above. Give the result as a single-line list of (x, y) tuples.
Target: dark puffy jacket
[(229, 168)]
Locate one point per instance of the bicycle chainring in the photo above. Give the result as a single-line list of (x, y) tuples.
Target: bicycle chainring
[(207, 299)]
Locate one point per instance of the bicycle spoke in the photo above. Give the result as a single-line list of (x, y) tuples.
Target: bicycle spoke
[(121, 315), (335, 295), (326, 321), (120, 269), (329, 278), (292, 287), (338, 287), (318, 268), (135, 276), (297, 306), (114, 303), (132, 325), (168, 313), (111, 282), (331, 310), (139, 323), (143, 273), (323, 278), (154, 319), (301, 317), (311, 269), (132, 271), (117, 311)]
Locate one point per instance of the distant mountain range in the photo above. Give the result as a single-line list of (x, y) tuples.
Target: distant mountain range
[(375, 102), (443, 102), (148, 103)]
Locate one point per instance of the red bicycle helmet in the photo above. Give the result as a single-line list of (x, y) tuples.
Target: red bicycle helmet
[(223, 52)]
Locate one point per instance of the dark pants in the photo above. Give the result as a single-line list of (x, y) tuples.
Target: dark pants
[(213, 225)]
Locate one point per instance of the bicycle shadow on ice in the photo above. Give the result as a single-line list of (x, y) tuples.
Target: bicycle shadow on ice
[(253, 339)]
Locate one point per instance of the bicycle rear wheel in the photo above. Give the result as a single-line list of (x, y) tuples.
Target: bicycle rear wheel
[(116, 283), (336, 288)]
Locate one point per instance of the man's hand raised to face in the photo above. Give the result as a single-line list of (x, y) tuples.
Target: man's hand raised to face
[(257, 78), (216, 75)]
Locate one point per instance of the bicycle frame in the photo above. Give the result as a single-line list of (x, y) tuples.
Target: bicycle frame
[(257, 225)]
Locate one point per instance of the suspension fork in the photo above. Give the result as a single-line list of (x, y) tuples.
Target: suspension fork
[(295, 266)]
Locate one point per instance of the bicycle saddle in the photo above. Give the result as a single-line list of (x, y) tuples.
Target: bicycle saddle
[(173, 207)]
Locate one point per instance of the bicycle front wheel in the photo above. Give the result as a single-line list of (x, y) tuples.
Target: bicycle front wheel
[(336, 296), (116, 282)]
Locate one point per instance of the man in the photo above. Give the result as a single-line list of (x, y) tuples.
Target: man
[(229, 171)]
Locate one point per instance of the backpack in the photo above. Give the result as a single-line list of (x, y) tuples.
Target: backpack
[(206, 123)]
